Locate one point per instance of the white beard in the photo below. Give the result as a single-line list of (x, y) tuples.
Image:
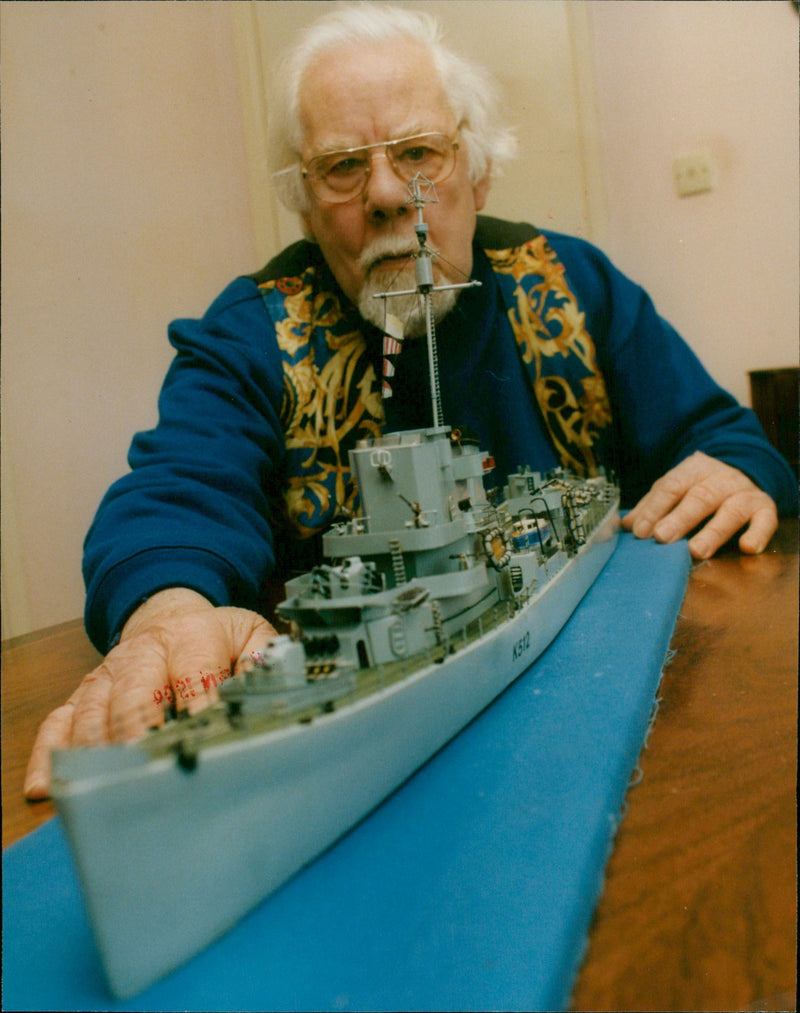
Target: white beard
[(410, 309)]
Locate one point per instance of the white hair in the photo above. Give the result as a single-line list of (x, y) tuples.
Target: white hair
[(471, 93)]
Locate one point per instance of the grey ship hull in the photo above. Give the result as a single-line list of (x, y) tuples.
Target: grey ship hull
[(170, 859)]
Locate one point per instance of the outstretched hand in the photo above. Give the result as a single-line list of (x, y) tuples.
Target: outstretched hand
[(702, 487), (176, 648)]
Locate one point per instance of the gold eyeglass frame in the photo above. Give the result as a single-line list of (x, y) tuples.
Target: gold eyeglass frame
[(306, 170)]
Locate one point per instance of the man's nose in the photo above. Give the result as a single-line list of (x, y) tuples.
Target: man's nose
[(386, 194)]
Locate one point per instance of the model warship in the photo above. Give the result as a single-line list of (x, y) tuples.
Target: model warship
[(432, 600)]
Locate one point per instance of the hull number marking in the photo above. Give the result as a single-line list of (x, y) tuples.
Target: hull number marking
[(522, 646)]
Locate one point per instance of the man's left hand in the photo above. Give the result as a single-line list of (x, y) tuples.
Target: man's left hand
[(698, 488)]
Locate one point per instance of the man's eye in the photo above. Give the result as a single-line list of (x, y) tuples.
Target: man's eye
[(344, 167), (416, 154)]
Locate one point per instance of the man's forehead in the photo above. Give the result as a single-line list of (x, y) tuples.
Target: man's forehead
[(356, 95)]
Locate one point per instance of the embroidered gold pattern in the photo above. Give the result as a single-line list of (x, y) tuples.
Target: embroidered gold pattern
[(331, 397), (330, 400), (550, 331)]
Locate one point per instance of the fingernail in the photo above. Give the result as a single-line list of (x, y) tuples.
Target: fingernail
[(664, 531), (700, 548), (35, 787)]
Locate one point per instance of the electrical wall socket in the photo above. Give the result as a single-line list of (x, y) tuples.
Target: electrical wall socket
[(695, 172)]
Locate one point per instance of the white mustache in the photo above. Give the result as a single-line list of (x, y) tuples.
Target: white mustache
[(384, 249)]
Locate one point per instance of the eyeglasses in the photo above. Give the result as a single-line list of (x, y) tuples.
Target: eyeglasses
[(340, 176)]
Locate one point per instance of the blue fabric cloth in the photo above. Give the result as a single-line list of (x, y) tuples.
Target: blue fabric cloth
[(200, 507), (472, 887)]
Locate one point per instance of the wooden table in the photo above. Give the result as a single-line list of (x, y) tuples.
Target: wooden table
[(699, 909)]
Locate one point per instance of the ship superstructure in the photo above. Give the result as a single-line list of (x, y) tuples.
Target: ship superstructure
[(431, 562)]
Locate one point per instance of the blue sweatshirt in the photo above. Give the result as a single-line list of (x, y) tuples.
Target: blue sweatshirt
[(556, 358)]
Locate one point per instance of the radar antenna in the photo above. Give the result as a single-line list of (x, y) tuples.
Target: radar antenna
[(422, 192)]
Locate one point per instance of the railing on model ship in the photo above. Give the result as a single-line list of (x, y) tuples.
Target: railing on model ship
[(550, 518)]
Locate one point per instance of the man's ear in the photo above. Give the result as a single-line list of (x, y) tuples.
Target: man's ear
[(481, 190), (305, 222)]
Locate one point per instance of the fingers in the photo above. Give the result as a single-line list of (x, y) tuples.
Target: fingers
[(178, 661), (763, 526), (81, 721), (198, 655), (90, 724), (99, 711), (210, 649), (699, 502), (754, 509), (665, 494), (698, 488), (252, 633), (139, 670), (54, 733)]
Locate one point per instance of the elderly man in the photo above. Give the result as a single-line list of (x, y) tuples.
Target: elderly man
[(555, 359)]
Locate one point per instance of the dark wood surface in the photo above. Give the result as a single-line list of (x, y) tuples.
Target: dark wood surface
[(699, 908), (40, 671)]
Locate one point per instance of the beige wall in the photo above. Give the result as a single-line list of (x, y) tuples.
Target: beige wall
[(722, 266), (126, 202)]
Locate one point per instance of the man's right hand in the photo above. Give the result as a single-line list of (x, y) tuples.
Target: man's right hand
[(176, 647)]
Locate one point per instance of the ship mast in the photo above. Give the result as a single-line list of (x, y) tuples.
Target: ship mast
[(422, 192)]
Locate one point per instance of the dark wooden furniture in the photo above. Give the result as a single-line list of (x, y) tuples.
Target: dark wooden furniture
[(776, 401)]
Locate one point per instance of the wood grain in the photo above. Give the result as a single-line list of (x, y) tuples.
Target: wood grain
[(40, 671), (699, 911)]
